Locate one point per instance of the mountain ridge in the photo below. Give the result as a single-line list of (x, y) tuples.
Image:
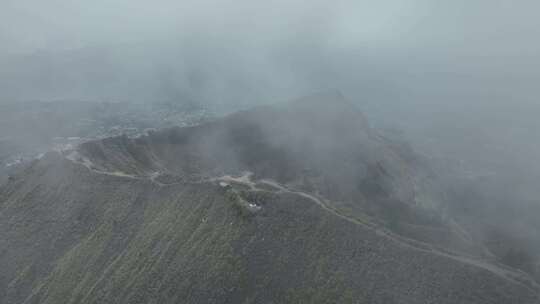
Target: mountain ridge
[(172, 217)]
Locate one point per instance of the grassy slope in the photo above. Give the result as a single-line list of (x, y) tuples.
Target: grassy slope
[(88, 238)]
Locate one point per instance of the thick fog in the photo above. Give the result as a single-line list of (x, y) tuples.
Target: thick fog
[(457, 79), (401, 61), (245, 51), (406, 63)]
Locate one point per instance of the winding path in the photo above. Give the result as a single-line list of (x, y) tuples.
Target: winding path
[(246, 179)]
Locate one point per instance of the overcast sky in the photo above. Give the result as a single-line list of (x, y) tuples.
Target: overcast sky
[(27, 25), (57, 24), (222, 50)]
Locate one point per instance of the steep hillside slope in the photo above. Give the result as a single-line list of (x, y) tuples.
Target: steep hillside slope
[(176, 217), (320, 144)]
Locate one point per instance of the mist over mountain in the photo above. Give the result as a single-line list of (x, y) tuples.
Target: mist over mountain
[(473, 66), (300, 202), (163, 153), (390, 53)]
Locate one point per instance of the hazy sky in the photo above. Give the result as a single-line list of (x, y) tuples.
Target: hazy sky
[(27, 25), (57, 24), (223, 50)]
